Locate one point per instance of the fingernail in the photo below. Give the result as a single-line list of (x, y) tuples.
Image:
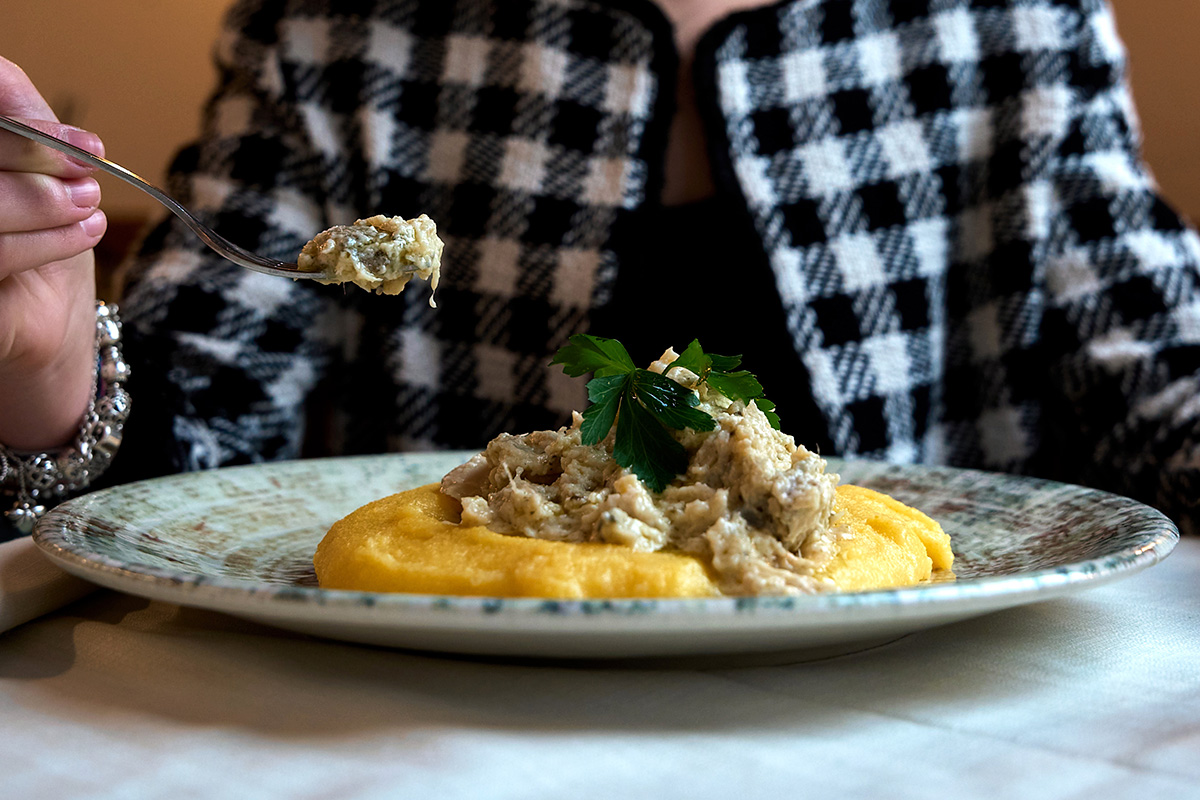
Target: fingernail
[(84, 192), (95, 224), (85, 140)]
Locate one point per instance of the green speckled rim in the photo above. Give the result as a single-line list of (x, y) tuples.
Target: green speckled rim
[(240, 540)]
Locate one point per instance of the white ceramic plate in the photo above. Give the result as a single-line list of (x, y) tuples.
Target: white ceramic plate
[(240, 541)]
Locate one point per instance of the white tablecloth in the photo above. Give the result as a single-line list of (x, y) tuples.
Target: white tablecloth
[(1096, 696)]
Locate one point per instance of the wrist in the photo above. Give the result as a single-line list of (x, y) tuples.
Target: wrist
[(43, 398), (41, 478)]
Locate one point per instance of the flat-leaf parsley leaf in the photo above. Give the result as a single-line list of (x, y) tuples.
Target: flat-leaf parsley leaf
[(645, 404)]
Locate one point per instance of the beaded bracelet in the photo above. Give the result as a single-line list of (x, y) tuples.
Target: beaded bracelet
[(38, 479)]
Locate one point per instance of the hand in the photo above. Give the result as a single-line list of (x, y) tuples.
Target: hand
[(49, 223)]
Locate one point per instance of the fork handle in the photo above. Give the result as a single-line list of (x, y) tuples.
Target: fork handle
[(221, 245), (91, 159)]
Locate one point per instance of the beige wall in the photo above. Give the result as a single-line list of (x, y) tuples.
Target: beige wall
[(1164, 62), (134, 71), (137, 70)]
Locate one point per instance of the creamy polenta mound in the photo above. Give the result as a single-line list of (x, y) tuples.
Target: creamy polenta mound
[(380, 254), (544, 515)]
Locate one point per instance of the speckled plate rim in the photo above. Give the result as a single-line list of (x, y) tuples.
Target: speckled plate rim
[(303, 607)]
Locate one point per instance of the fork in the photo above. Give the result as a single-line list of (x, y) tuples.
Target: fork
[(220, 244)]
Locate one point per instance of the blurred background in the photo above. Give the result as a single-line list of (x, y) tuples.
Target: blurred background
[(137, 72)]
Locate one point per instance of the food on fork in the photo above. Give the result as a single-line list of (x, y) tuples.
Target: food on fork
[(380, 254), (675, 482)]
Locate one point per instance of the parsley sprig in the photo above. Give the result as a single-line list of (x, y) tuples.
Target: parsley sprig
[(645, 404)]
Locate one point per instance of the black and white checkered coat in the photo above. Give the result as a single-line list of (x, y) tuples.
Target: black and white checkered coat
[(973, 261)]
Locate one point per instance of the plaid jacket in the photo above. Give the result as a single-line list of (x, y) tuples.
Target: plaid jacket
[(974, 264)]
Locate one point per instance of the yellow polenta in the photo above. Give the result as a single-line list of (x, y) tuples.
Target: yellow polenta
[(413, 542), (892, 544)]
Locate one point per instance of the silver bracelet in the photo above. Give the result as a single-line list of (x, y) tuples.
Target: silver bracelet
[(38, 479)]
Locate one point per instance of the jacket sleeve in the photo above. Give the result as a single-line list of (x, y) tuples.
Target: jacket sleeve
[(1121, 325), (223, 359), (977, 267)]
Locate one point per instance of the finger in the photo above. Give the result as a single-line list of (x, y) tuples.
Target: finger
[(20, 99), (18, 154), (18, 96), (32, 202), (27, 250)]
